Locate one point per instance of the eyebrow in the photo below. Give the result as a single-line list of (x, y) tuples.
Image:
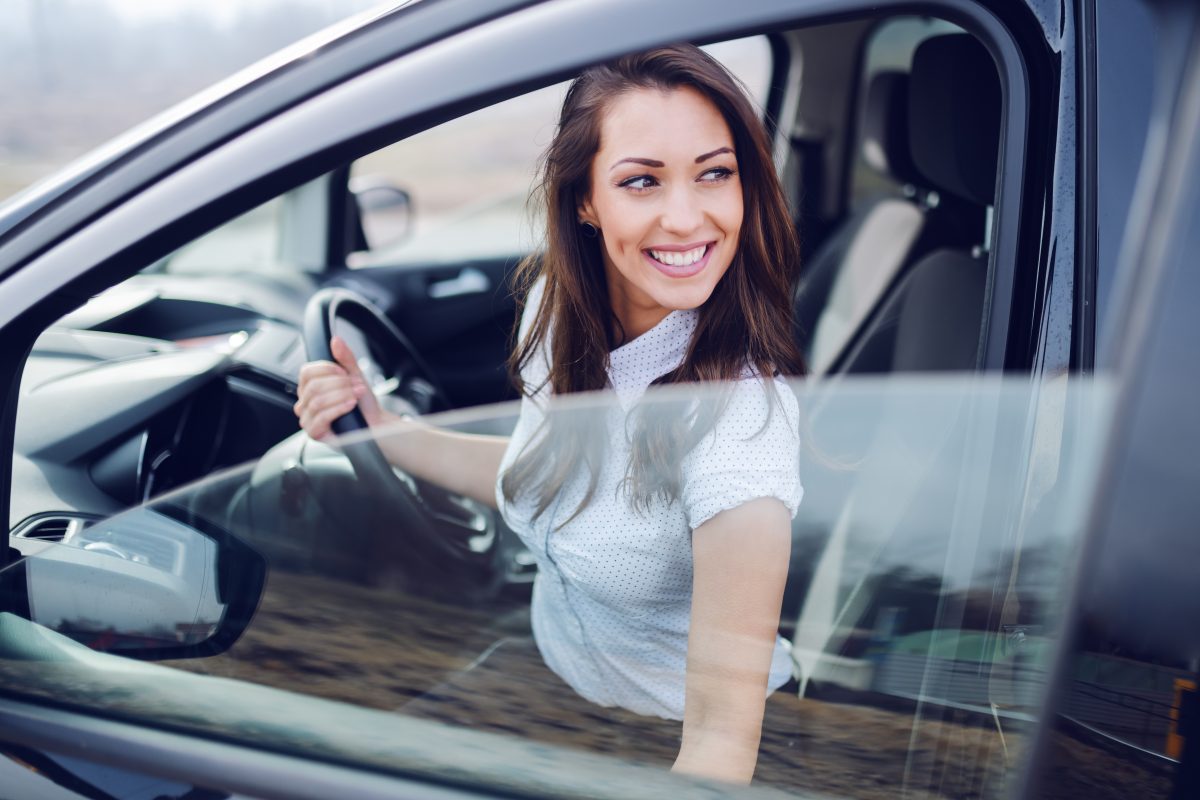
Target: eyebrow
[(717, 152), (650, 162), (645, 162)]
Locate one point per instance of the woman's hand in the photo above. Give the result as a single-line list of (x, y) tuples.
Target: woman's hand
[(328, 391), (461, 463)]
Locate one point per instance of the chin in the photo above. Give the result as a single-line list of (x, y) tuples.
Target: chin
[(680, 298)]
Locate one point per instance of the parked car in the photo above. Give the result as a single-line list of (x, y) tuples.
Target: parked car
[(990, 592)]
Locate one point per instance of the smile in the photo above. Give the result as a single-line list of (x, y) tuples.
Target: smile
[(677, 263)]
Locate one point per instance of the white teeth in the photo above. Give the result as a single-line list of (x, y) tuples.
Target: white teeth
[(676, 259)]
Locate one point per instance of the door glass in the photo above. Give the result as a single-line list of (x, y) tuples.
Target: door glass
[(889, 49), (338, 609), (1128, 714), (392, 628)]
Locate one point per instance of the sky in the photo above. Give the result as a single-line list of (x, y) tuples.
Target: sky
[(222, 11), (77, 72)]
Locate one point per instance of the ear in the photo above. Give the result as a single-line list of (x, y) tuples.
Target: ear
[(585, 213)]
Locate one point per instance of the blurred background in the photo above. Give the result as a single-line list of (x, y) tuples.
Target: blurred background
[(78, 72)]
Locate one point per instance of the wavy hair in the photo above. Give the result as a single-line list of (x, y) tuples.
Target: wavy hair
[(746, 323)]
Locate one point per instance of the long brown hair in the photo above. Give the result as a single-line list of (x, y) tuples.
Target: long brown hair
[(746, 323)]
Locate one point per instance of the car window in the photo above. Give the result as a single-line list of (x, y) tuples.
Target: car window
[(249, 242), (288, 234), (889, 48), (910, 201), (1127, 707), (920, 610), (1125, 83)]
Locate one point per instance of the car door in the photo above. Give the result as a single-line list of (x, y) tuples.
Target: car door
[(347, 121)]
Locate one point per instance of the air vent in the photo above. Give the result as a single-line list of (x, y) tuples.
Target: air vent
[(52, 529)]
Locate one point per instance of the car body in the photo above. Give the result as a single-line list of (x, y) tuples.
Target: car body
[(992, 563)]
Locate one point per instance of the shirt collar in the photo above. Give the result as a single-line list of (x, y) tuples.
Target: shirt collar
[(633, 365)]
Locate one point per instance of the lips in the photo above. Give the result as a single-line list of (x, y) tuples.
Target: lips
[(679, 261)]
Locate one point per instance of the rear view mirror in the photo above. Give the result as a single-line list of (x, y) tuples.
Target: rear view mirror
[(143, 584)]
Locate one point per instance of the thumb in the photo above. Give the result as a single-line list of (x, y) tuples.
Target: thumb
[(344, 356)]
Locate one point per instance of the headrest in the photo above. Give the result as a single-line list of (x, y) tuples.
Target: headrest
[(885, 127), (954, 116)]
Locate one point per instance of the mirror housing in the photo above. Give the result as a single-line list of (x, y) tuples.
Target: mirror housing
[(385, 211), (151, 583)]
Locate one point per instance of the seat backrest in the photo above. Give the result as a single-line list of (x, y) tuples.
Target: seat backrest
[(930, 318), (846, 276)]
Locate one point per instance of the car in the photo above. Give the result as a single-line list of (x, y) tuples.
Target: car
[(990, 590)]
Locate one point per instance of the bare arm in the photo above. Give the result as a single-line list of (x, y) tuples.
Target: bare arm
[(740, 561), (465, 464)]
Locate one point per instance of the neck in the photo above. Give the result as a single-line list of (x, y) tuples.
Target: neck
[(635, 314), (635, 322)]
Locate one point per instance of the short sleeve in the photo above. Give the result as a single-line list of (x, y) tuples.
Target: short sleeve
[(753, 451)]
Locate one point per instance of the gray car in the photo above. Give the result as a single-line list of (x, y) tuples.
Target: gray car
[(991, 588)]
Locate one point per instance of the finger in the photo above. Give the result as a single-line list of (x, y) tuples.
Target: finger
[(344, 356), (313, 403), (315, 370), (324, 384), (318, 423)]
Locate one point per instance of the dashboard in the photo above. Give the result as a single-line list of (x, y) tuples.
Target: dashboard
[(163, 380), (144, 389)]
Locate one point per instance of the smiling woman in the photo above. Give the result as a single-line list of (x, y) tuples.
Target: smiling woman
[(660, 552)]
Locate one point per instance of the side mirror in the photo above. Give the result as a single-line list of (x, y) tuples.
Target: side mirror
[(144, 584), (385, 211)]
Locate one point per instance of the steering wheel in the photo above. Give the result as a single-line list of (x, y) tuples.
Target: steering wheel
[(397, 493)]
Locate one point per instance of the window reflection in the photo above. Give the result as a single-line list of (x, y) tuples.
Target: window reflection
[(922, 608)]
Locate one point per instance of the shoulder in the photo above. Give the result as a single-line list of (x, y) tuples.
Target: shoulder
[(752, 450), (756, 405)]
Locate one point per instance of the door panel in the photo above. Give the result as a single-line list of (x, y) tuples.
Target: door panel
[(459, 317)]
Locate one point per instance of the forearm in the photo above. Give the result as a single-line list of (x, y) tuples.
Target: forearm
[(723, 751), (740, 560), (462, 463)]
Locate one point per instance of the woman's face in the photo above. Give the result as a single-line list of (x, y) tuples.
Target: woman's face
[(667, 199)]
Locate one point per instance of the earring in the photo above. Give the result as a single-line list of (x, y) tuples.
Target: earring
[(590, 231)]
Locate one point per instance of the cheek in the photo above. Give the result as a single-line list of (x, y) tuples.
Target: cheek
[(625, 230), (733, 215)]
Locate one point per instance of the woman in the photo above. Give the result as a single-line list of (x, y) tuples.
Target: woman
[(662, 532)]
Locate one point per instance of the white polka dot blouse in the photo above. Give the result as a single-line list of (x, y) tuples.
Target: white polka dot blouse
[(612, 597)]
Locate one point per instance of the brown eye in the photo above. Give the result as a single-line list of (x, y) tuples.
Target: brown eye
[(717, 174), (638, 182)]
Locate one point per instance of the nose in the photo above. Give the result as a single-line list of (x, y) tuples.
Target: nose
[(681, 212)]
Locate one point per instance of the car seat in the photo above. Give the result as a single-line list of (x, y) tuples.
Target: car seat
[(849, 271), (915, 302)]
